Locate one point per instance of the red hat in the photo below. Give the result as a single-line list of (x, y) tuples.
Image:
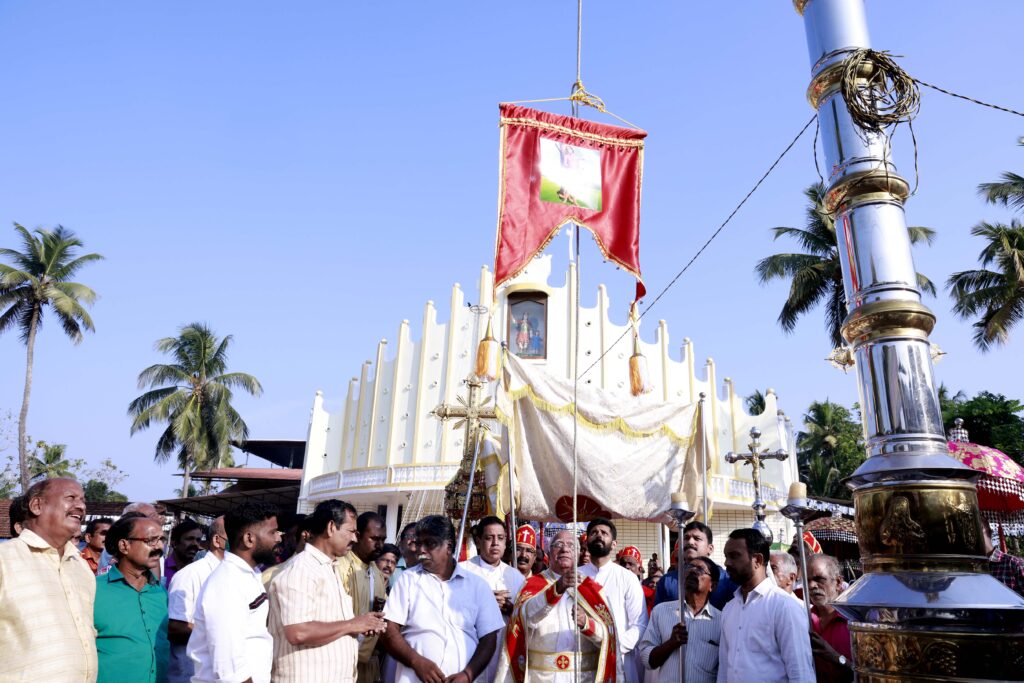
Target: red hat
[(633, 552), (526, 535)]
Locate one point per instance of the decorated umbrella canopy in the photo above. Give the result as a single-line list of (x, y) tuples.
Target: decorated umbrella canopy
[(1001, 486), (838, 528), (836, 536)]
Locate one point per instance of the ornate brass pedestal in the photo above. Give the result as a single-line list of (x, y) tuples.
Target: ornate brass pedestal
[(926, 608)]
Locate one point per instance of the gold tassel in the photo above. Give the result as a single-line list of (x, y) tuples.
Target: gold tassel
[(488, 356), (639, 379)]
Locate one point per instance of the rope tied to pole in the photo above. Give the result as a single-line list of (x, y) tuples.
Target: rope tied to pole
[(878, 92)]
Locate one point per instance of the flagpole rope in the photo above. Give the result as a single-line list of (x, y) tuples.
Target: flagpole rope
[(706, 244)]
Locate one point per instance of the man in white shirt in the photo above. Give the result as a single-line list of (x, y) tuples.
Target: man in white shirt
[(785, 573), (442, 621), (695, 638), (312, 618), (504, 581), (622, 592), (765, 633), (230, 640), (182, 596)]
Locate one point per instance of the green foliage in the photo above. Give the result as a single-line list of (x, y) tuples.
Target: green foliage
[(192, 396), (48, 461), (754, 403), (829, 449), (816, 276), (35, 279), (98, 491), (990, 419)]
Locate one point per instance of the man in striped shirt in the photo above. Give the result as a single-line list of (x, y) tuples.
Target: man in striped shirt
[(695, 638), (311, 615)]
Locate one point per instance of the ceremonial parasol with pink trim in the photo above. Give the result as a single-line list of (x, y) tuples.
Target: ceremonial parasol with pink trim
[(1001, 487)]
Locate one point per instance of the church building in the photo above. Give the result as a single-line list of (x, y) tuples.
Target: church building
[(384, 449)]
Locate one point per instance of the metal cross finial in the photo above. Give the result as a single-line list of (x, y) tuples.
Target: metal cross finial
[(755, 458)]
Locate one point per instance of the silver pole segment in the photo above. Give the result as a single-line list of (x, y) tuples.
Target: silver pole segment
[(682, 597), (803, 566), (469, 497), (704, 456), (887, 325)]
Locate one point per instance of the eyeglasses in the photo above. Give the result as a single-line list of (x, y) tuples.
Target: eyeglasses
[(428, 543), (151, 542), (699, 571), (558, 545)]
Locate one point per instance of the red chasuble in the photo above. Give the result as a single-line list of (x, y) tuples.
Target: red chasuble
[(591, 602), (557, 170)]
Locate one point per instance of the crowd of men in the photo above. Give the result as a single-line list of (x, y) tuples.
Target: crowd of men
[(324, 597)]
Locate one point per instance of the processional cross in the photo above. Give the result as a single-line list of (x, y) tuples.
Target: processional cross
[(470, 413), (755, 458)]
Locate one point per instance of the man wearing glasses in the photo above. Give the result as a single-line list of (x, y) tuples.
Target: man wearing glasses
[(442, 621), (540, 642), (694, 638), (131, 607), (182, 596)]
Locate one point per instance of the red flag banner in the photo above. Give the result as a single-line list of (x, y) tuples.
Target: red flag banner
[(557, 170)]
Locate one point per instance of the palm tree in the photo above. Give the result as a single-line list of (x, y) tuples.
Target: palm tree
[(52, 463), (995, 295), (39, 277), (816, 276), (829, 448), (193, 396)]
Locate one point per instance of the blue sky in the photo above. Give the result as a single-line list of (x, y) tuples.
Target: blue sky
[(306, 175)]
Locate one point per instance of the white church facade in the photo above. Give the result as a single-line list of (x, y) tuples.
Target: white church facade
[(385, 450)]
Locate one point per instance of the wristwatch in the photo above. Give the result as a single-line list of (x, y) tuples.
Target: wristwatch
[(842, 660)]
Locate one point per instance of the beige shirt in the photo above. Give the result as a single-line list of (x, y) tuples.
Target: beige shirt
[(364, 582), (307, 589), (46, 603)]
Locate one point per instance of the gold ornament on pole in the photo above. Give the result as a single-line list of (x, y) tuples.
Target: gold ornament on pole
[(488, 356)]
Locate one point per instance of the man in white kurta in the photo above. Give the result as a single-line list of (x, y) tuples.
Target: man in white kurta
[(504, 581), (541, 646), (622, 591), (442, 620)]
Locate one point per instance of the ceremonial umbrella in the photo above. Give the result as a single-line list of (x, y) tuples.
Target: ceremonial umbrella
[(1001, 487)]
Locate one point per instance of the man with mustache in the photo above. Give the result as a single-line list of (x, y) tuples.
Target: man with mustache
[(697, 542), (830, 639), (131, 607), (230, 640), (764, 631), (695, 637), (47, 591), (622, 593), (540, 642), (442, 621), (182, 596), (526, 549), (365, 584), (186, 541), (311, 616), (504, 581)]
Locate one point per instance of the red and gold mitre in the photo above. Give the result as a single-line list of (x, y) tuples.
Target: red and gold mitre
[(526, 535)]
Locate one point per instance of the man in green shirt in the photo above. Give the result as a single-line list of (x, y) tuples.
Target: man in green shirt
[(131, 607)]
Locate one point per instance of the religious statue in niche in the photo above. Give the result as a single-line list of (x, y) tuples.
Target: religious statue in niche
[(528, 323)]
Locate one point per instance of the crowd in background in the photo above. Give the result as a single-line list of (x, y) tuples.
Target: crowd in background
[(258, 595)]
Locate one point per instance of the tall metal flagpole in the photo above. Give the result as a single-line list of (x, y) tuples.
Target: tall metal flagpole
[(926, 608)]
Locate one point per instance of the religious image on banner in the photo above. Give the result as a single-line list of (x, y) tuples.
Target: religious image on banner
[(557, 170), (570, 174)]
